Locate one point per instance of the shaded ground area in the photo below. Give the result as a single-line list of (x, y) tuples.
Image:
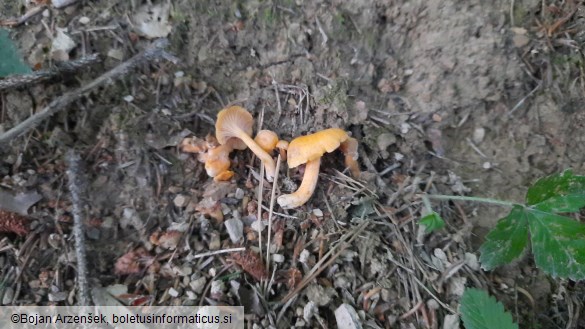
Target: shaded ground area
[(453, 97)]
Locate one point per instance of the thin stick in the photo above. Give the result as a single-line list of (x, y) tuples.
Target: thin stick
[(270, 212), (327, 259), (22, 80), (260, 198), (217, 252), (154, 52), (77, 189)]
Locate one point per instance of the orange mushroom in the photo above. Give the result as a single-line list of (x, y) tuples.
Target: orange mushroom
[(309, 149), (216, 160), (282, 146), (350, 151), (267, 140), (235, 123)]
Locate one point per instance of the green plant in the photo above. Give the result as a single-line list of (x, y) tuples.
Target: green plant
[(10, 60), (481, 311), (558, 241)]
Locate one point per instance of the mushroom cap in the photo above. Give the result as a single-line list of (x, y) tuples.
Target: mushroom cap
[(229, 121), (266, 139), (282, 145), (311, 147)]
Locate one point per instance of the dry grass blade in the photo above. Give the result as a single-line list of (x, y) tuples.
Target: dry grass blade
[(270, 213), (343, 242), (260, 199)]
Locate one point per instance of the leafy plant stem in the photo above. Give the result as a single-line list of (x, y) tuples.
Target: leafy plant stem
[(427, 204), (470, 198)]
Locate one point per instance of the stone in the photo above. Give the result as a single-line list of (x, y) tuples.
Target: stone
[(347, 318), (235, 229)]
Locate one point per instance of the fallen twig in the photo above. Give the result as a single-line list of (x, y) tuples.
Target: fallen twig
[(154, 52), (21, 80), (14, 22), (76, 188)]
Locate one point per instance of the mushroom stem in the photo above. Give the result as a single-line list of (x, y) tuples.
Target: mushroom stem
[(305, 191), (269, 164)]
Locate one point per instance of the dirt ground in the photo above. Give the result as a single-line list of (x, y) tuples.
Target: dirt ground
[(454, 97)]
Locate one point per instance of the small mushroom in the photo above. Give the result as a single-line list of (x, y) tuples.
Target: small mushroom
[(236, 123), (350, 151), (216, 159), (309, 149), (267, 140), (282, 146)]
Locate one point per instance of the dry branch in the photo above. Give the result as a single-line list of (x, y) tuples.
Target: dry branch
[(76, 188), (154, 52), (22, 80)]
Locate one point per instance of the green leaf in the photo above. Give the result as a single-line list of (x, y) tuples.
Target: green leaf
[(558, 193), (10, 60), (432, 222), (558, 244), (506, 241), (481, 311)]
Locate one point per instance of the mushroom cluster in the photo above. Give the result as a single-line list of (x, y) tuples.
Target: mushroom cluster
[(233, 131)]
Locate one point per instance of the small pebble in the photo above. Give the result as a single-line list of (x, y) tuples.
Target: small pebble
[(258, 225), (278, 258), (486, 165), (304, 256), (318, 212), (128, 98), (214, 242), (84, 20), (173, 292), (191, 295), (478, 135), (55, 296), (181, 201), (347, 317), (198, 285), (308, 311), (239, 193), (235, 229)]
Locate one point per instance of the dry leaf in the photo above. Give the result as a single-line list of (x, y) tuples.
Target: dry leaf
[(193, 145), (153, 21), (167, 240), (133, 262), (214, 211), (291, 277), (11, 222), (251, 263)]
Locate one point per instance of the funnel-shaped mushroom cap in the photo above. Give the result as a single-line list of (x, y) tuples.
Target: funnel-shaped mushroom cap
[(234, 126), (266, 139), (311, 147), (229, 122)]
